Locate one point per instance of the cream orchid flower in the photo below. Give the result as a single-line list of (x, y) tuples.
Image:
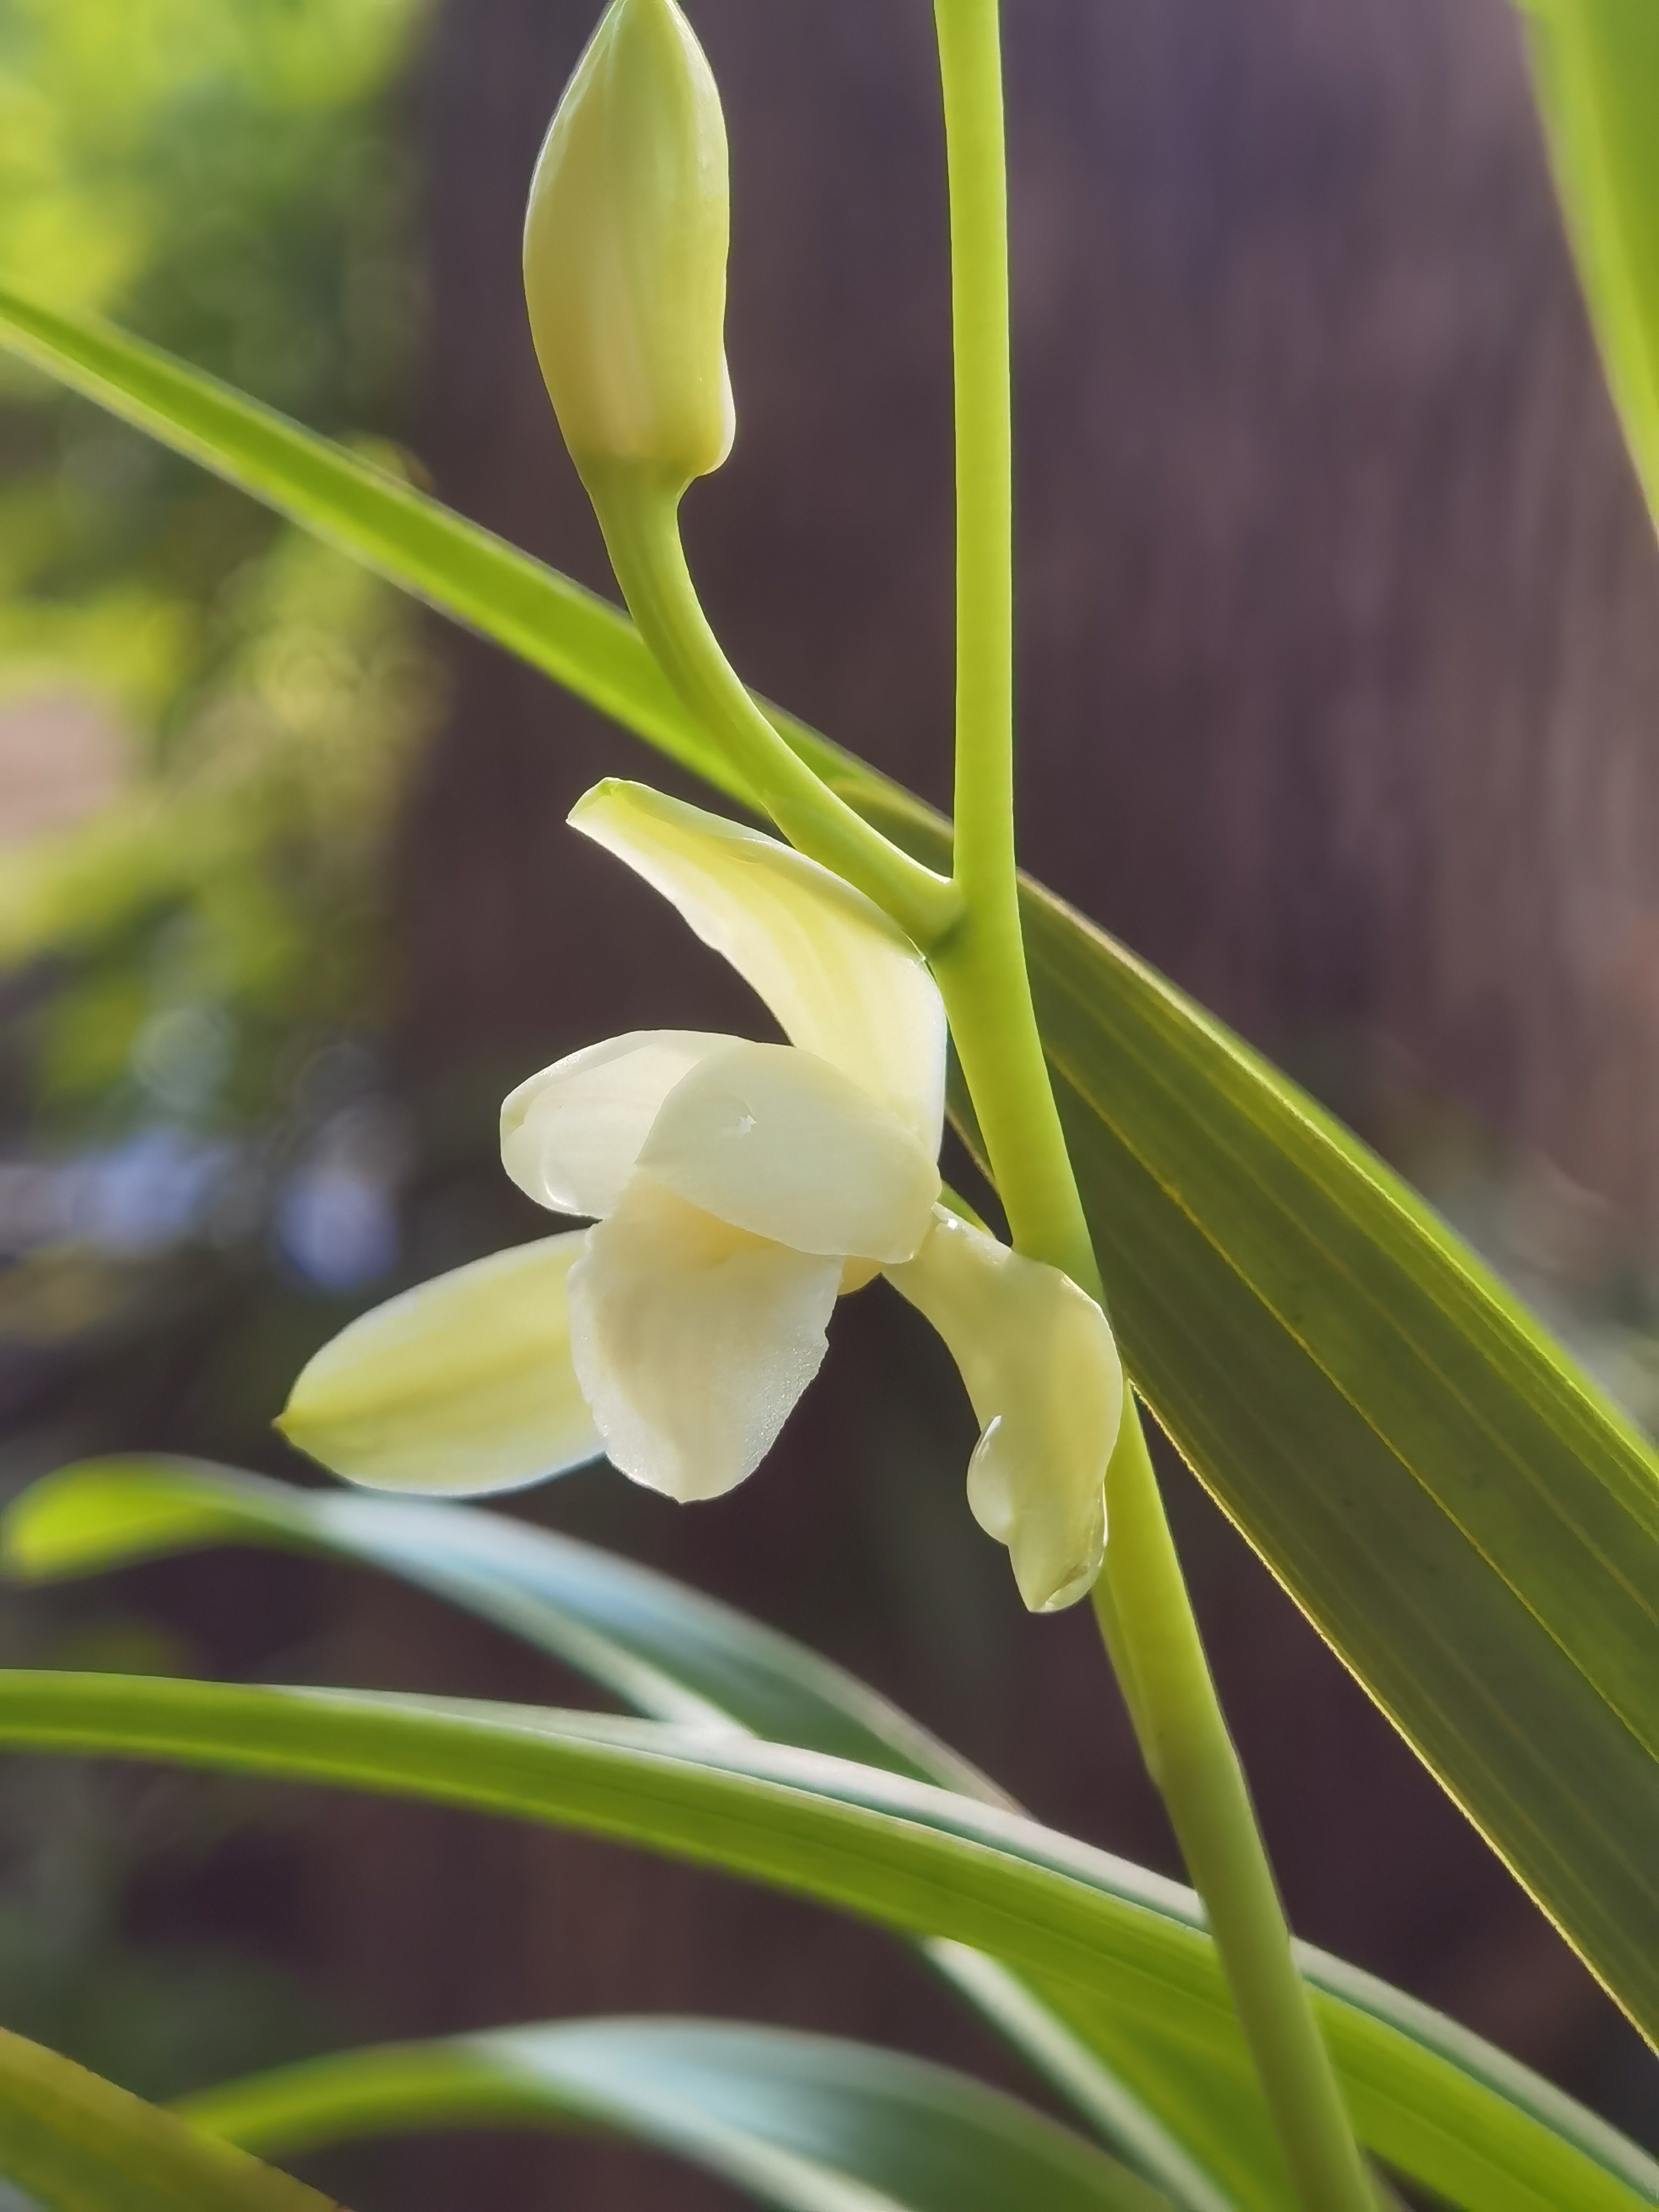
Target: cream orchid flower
[(736, 1189)]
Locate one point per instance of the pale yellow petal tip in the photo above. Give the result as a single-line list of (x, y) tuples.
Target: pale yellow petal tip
[(599, 796), (1054, 1568), (459, 1387), (1042, 1494)]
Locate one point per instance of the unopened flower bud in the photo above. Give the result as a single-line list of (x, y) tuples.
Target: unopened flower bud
[(625, 250)]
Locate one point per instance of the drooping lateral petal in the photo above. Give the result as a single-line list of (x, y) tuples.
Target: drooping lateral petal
[(571, 1132), (1041, 1369), (461, 1386), (775, 1140), (843, 980), (693, 1339)]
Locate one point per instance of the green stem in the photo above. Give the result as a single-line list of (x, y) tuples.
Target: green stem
[(1145, 1613), (639, 516), (982, 967), (1144, 1609)]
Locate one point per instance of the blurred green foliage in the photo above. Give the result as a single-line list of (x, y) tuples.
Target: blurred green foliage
[(229, 170), (230, 179), (205, 723), (228, 904)]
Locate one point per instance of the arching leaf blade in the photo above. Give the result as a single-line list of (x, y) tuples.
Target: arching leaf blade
[(665, 1649), (805, 2123), (660, 1648), (675, 1655), (903, 1854), (1595, 65), (1470, 1526)]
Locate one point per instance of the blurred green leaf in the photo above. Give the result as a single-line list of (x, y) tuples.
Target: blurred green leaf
[(79, 2144), (807, 2122), (906, 1855), (134, 133), (239, 181), (1595, 66), (658, 1647), (1468, 1522)]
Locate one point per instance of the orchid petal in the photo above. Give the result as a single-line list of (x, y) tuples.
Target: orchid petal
[(461, 1386), (571, 1134), (776, 1142), (1037, 1357), (693, 1339), (843, 980)]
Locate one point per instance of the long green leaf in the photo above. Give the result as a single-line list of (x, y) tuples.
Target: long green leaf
[(1468, 1522), (668, 1652), (1596, 64), (902, 1853), (75, 2144), (806, 2122), (1473, 1528), (678, 1655)]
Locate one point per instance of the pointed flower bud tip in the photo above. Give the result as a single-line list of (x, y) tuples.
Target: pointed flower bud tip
[(625, 250)]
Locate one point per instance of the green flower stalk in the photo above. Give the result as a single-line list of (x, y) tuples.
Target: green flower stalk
[(624, 269), (1141, 1600)]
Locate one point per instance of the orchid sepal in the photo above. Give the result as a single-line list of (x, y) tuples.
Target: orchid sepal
[(840, 978), (1041, 1371), (460, 1387)]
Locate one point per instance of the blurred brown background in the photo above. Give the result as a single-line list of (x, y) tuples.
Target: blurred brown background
[(1340, 638)]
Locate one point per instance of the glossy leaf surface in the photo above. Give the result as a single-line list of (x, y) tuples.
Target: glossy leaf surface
[(73, 2142), (806, 2122), (1466, 1519), (918, 1859)]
